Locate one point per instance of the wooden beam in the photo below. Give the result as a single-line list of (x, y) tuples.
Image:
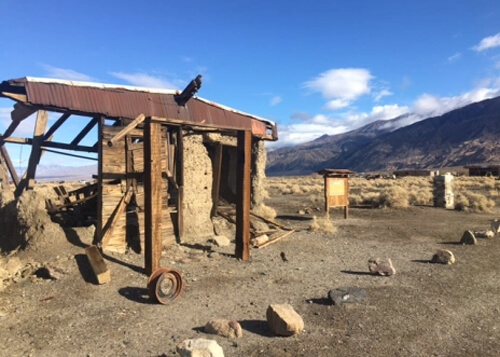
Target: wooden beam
[(98, 230), (84, 131), (140, 118), (56, 125), (98, 265), (19, 97), (56, 145), (275, 239), (216, 181), (152, 196), (115, 217), (36, 151), (21, 111), (10, 166), (179, 174), (243, 195)]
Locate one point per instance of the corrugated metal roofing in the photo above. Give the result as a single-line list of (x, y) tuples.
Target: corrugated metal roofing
[(116, 101)]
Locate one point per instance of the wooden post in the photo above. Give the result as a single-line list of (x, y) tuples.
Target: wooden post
[(179, 172), (98, 229), (152, 195), (10, 166), (243, 195), (216, 181), (327, 194), (36, 151)]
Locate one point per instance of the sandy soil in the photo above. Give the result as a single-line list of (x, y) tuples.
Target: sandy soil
[(424, 310)]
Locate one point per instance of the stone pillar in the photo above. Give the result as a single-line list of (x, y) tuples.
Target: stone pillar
[(443, 191)]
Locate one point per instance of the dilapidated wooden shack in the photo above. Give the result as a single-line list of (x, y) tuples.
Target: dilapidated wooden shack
[(165, 158)]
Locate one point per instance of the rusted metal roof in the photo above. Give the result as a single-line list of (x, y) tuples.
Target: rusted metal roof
[(115, 101)]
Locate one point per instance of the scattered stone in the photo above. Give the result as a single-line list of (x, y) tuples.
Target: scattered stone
[(213, 255), (468, 238), (259, 240), (484, 234), (347, 295), (381, 267), (226, 328), (308, 211), (199, 348), (443, 256), (301, 212), (221, 241), (495, 226), (13, 265), (283, 256), (259, 226), (283, 320)]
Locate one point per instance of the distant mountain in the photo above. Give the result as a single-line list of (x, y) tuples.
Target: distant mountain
[(463, 136), (66, 173)]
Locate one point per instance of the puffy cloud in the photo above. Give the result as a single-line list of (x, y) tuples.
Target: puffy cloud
[(341, 86), (379, 112), (144, 80), (275, 100), (454, 57), (65, 73), (383, 93), (488, 42)]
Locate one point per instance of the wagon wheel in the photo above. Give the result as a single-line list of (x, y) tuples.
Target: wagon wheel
[(165, 285)]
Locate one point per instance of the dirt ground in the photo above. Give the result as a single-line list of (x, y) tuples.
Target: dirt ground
[(424, 310)]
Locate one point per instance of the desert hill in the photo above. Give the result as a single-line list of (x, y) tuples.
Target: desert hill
[(463, 136)]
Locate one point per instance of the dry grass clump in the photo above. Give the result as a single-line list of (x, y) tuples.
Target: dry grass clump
[(370, 198), (421, 197), (322, 225), (265, 211), (474, 202), (396, 197)]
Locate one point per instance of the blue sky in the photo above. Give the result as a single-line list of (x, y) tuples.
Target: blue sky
[(313, 67)]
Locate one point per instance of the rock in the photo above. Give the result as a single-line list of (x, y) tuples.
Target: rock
[(495, 226), (226, 328), (283, 320), (259, 240), (443, 256), (221, 241), (468, 238), (259, 226), (13, 266), (347, 295), (484, 234), (301, 212), (381, 267), (199, 348)]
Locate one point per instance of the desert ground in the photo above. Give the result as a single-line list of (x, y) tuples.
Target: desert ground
[(424, 309)]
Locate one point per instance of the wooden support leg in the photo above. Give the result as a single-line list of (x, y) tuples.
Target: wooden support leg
[(179, 172), (152, 196), (36, 151), (243, 196)]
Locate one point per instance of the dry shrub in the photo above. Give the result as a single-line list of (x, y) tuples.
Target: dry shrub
[(264, 211), (322, 225), (421, 197), (475, 202), (315, 198), (396, 196), (355, 199), (371, 198)]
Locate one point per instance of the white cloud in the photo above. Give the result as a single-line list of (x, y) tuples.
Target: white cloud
[(383, 93), (488, 42), (144, 80), (379, 112), (341, 86), (65, 73), (275, 100), (294, 134), (454, 57)]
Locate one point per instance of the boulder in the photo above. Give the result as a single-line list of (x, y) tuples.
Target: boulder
[(221, 241), (443, 256), (484, 234), (199, 348), (283, 320), (468, 238), (348, 295), (259, 240), (226, 328), (381, 267)]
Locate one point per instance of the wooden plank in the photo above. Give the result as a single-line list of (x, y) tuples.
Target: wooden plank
[(216, 181), (10, 166), (179, 174), (98, 265), (56, 125), (21, 111), (36, 151), (152, 196), (243, 195), (275, 239), (140, 118), (18, 97), (84, 131), (117, 214)]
